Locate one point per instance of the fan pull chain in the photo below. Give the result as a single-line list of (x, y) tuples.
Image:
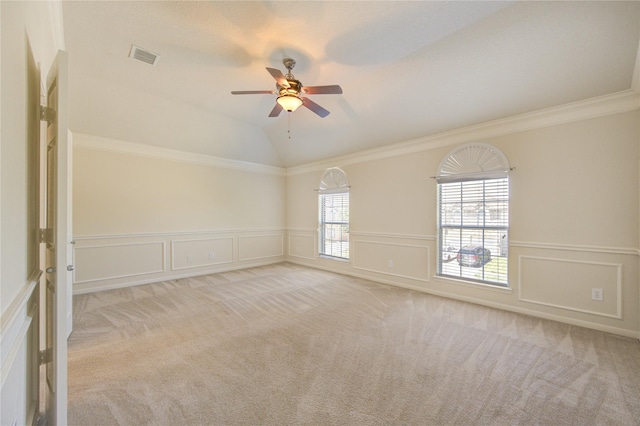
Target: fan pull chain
[(289, 125)]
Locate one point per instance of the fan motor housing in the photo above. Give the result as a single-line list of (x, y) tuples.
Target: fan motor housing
[(294, 88)]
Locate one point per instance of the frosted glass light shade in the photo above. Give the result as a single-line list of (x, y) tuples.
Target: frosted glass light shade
[(289, 102)]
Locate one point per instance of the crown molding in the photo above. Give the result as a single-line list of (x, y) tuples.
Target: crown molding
[(83, 140), (615, 103)]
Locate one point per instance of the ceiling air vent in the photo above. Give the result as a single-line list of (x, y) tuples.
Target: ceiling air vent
[(143, 55)]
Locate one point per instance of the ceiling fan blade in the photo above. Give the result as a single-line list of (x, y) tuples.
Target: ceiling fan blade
[(315, 107), (253, 92), (322, 90), (280, 78), (276, 110)]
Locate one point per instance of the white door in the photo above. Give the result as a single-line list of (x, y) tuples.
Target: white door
[(56, 240)]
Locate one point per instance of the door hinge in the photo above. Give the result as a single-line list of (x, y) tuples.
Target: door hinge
[(47, 114), (45, 356), (43, 235)]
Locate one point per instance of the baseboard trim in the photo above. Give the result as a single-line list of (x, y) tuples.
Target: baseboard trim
[(84, 289), (490, 304), (537, 314)]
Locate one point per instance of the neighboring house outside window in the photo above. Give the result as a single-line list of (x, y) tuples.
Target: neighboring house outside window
[(333, 202), (473, 215)]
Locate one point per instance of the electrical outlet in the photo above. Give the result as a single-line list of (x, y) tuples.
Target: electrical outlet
[(212, 255), (597, 294), (189, 258), (390, 263)]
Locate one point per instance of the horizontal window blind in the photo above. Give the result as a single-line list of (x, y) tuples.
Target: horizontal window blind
[(334, 225), (473, 229)]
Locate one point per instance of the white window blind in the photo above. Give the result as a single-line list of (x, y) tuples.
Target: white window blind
[(334, 224), (473, 227)]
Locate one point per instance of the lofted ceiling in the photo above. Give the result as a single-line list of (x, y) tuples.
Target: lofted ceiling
[(407, 69)]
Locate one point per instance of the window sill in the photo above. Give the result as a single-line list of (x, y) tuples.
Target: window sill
[(337, 259), (473, 284)]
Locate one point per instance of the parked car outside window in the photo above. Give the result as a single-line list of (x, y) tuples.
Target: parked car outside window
[(474, 256)]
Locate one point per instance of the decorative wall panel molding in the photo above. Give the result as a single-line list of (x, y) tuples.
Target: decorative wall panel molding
[(260, 247), (568, 283), (119, 260), (186, 254), (19, 343), (114, 261), (15, 327), (565, 297), (400, 260), (13, 311), (302, 246)]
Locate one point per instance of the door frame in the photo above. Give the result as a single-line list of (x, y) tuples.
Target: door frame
[(55, 263)]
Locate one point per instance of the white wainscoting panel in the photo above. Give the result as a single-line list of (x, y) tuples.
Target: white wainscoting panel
[(106, 262), (567, 284), (303, 246), (121, 260), (260, 247), (19, 342), (187, 254), (397, 259)]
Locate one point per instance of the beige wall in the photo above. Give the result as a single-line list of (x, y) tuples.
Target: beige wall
[(142, 219), (575, 183), (118, 193), (574, 222), (574, 219)]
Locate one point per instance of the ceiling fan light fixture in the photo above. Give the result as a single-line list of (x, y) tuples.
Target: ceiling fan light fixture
[(289, 90), (289, 102)]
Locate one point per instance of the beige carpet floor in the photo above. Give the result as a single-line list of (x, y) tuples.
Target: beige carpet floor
[(288, 345)]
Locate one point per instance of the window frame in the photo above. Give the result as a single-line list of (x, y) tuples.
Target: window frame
[(334, 247), (334, 183), (473, 198), (490, 212)]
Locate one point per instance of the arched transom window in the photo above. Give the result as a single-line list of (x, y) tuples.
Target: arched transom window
[(333, 217)]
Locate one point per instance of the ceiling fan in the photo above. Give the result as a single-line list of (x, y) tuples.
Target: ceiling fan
[(289, 92)]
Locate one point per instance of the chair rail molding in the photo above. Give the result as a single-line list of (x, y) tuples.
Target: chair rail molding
[(576, 248)]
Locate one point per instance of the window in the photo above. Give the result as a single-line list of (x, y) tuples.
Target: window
[(334, 225), (473, 215), (334, 214)]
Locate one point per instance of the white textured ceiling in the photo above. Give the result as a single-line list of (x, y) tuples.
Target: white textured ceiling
[(407, 69)]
